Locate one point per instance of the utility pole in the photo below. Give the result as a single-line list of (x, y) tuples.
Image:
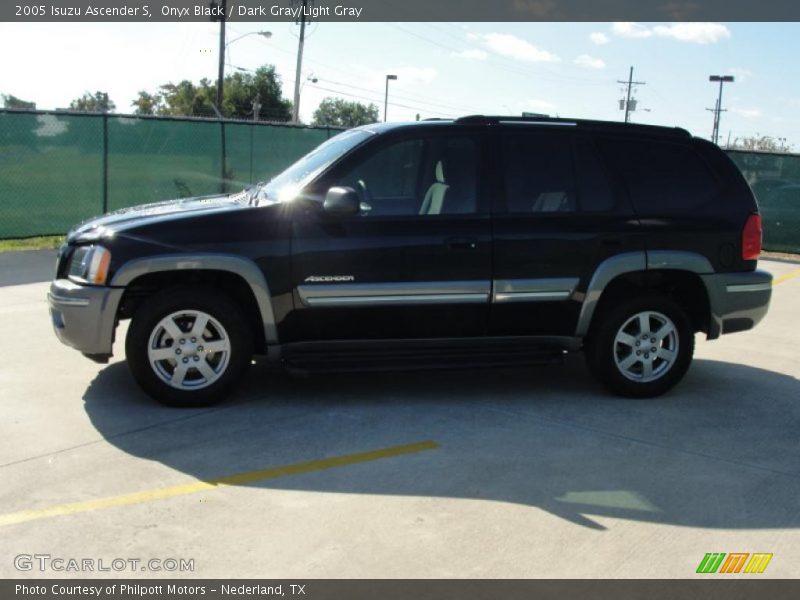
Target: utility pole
[(221, 72), (256, 108), (296, 106), (220, 15), (722, 79), (626, 104)]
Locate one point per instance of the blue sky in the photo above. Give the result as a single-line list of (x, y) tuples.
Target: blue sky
[(444, 69)]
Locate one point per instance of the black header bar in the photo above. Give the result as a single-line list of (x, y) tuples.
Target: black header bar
[(400, 10)]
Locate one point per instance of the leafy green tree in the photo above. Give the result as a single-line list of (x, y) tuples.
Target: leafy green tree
[(241, 90), (10, 101), (146, 104), (335, 112), (97, 102), (186, 98)]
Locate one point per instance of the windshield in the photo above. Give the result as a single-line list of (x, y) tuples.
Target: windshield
[(286, 185)]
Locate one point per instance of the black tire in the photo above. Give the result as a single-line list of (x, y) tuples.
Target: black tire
[(601, 347), (166, 302)]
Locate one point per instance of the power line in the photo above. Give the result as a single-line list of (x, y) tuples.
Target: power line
[(405, 97), (416, 98), (409, 96), (360, 97), (375, 99)]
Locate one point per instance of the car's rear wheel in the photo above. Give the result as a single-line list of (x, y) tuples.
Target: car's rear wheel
[(188, 346), (641, 347)]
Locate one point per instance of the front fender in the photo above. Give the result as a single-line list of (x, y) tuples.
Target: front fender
[(244, 267)]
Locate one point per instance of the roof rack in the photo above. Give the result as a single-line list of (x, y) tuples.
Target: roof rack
[(561, 122)]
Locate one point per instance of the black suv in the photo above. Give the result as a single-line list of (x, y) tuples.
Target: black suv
[(473, 242)]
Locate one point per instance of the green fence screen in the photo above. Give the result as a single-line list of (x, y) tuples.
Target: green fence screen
[(775, 180), (151, 159), (57, 169), (51, 172)]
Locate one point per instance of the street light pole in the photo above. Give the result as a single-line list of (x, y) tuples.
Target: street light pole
[(223, 52), (221, 88), (223, 46), (386, 97), (722, 79)]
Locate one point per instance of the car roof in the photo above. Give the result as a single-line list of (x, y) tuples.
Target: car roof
[(538, 121)]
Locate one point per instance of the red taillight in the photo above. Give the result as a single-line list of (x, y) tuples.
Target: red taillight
[(751, 238)]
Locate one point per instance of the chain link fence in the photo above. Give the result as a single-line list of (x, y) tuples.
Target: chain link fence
[(58, 168)]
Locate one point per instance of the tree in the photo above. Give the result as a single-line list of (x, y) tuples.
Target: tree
[(146, 104), (186, 99), (97, 102), (10, 101), (335, 112), (241, 90), (761, 143)]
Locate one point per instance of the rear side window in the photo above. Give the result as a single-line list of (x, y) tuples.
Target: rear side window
[(663, 179), (547, 173)]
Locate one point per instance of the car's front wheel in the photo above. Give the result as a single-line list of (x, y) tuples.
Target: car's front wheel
[(188, 346), (641, 347)]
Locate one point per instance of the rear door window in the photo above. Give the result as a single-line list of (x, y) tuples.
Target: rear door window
[(594, 188), (538, 173), (546, 173), (663, 178)]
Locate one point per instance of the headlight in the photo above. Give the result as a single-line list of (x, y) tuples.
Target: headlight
[(89, 264)]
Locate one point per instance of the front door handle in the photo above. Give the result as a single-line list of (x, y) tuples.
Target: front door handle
[(461, 243)]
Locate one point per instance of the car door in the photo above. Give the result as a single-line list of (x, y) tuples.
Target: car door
[(415, 262), (558, 217)]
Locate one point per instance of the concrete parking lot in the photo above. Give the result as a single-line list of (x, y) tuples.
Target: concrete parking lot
[(510, 473)]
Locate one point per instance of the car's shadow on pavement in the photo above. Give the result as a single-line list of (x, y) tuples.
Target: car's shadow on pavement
[(720, 451)]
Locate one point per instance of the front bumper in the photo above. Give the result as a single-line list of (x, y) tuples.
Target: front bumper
[(738, 301), (84, 316)]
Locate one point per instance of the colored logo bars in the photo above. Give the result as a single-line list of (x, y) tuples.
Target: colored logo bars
[(719, 562)]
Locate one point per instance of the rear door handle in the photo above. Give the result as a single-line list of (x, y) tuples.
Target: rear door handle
[(461, 243)]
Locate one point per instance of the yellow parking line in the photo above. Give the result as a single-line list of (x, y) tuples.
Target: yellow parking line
[(199, 486), (786, 277)]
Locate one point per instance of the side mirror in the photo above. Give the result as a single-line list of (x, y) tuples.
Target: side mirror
[(342, 201)]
